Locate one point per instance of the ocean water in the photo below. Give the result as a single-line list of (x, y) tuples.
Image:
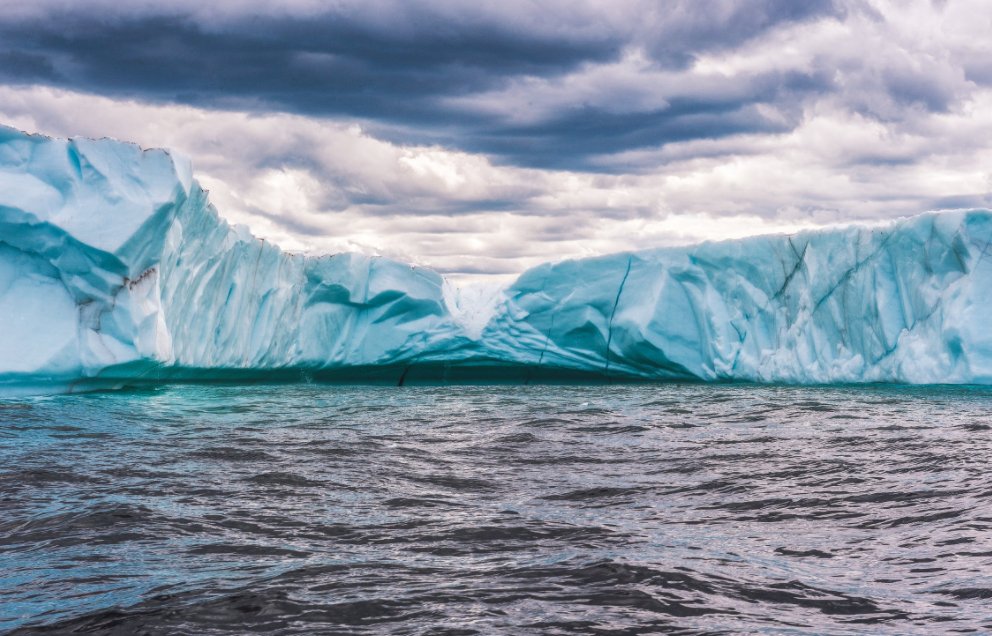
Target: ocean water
[(611, 509)]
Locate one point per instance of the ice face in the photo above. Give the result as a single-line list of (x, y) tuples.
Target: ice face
[(114, 265), (900, 303), (115, 268)]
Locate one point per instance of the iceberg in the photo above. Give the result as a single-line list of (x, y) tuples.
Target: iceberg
[(116, 270)]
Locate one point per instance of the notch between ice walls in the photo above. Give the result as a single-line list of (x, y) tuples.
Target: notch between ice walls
[(116, 269)]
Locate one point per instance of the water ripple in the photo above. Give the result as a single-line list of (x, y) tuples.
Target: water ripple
[(683, 509)]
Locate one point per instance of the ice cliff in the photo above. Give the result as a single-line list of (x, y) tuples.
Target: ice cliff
[(115, 269)]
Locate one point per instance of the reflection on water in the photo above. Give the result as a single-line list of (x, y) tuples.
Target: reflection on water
[(506, 509)]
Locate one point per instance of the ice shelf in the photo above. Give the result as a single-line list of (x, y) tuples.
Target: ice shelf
[(115, 269)]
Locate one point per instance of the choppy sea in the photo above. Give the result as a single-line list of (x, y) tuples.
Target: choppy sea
[(610, 509)]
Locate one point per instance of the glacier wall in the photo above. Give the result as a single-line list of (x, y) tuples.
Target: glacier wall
[(114, 266), (115, 269), (907, 302)]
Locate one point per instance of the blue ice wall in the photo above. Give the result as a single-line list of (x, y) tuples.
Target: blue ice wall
[(115, 267)]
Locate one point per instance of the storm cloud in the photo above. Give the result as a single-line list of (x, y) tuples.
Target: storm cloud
[(482, 139), (406, 64)]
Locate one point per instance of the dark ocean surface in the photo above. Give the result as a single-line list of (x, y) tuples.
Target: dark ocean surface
[(610, 509)]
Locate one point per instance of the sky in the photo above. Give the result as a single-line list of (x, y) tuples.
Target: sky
[(481, 139)]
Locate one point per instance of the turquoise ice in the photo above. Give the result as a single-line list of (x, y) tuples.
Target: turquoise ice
[(115, 269)]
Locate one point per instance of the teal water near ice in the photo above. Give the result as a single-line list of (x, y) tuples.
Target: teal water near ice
[(672, 508)]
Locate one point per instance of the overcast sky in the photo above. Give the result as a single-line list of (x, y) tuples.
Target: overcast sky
[(483, 138)]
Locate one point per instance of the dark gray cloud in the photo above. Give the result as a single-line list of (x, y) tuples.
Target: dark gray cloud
[(18, 65), (573, 138), (683, 29), (398, 65)]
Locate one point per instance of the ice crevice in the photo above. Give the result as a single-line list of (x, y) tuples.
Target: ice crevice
[(800, 258), (613, 313), (115, 269)]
